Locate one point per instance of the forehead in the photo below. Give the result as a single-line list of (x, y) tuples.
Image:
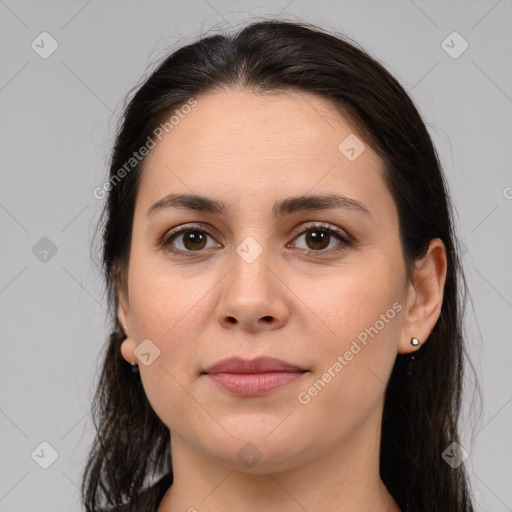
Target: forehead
[(233, 124), (239, 144)]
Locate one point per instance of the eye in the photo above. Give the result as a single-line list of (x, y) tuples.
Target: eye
[(192, 238), (319, 236)]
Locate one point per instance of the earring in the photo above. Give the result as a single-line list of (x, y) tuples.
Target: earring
[(414, 342), (135, 367)]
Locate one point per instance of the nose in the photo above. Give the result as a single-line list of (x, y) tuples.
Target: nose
[(253, 298)]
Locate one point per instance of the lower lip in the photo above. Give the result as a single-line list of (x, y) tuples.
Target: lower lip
[(253, 384)]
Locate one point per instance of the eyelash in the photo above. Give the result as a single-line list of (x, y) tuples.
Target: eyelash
[(339, 234)]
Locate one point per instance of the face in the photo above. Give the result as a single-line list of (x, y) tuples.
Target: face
[(320, 288)]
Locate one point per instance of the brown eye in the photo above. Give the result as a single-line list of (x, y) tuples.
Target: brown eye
[(193, 240), (318, 238), (186, 241)]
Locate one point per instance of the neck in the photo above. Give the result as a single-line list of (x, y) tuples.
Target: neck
[(344, 478)]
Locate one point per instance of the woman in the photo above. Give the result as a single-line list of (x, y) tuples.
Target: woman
[(283, 278)]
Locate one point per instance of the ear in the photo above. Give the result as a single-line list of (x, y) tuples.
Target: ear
[(123, 316), (424, 297)]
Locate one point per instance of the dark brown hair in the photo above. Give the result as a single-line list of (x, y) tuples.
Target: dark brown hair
[(423, 397)]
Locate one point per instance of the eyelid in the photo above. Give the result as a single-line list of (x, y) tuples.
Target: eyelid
[(299, 230)]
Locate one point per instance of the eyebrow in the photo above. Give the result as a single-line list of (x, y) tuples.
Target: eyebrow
[(282, 207)]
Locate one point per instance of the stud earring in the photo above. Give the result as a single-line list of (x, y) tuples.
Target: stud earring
[(414, 342), (135, 367)]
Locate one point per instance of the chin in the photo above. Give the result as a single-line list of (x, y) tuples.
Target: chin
[(260, 453)]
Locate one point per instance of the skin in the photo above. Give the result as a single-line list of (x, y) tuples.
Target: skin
[(250, 150)]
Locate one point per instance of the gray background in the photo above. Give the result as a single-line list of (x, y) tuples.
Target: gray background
[(58, 117)]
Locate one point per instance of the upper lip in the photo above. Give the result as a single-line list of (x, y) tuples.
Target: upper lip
[(258, 365)]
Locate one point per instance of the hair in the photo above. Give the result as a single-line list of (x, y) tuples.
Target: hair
[(423, 397)]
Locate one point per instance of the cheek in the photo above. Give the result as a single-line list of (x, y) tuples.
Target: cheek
[(358, 315), (161, 301), (346, 303), (168, 313), (173, 312)]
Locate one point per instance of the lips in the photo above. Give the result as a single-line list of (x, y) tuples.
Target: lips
[(252, 378), (258, 365)]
